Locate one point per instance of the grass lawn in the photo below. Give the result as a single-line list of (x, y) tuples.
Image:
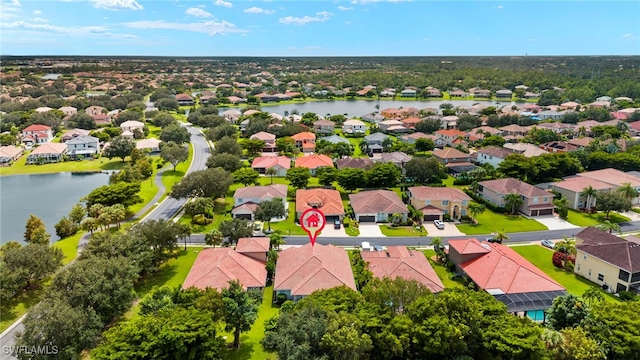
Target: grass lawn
[(172, 273), (352, 231), (490, 222), (402, 231), (69, 247), (250, 347), (288, 226), (14, 308), (20, 166), (579, 218), (355, 142), (541, 258), (170, 177), (449, 183), (443, 273)]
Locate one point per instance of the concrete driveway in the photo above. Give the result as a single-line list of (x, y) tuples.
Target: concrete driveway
[(554, 223), (370, 230), (330, 231), (449, 230)]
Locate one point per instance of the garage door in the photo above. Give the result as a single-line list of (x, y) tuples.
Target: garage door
[(366, 219), (243, 216), (331, 219), (545, 212), (431, 217)]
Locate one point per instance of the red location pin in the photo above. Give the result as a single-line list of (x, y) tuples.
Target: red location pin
[(312, 222)]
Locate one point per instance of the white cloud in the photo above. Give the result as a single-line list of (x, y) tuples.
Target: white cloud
[(344, 8), (37, 12), (211, 27), (257, 10), (364, 2), (627, 36), (116, 4), (534, 40), (500, 7), (74, 31), (322, 16), (223, 3), (347, 22), (39, 20), (197, 12), (8, 9)]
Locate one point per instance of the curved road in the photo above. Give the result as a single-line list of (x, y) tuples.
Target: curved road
[(164, 210)]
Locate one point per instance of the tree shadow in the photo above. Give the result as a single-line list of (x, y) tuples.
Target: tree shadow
[(162, 276), (112, 165), (27, 298)]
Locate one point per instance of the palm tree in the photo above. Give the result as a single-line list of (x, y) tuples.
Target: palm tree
[(500, 236), (386, 144), (628, 191), (567, 247), (436, 242), (214, 237), (590, 193), (184, 232), (271, 171), (364, 146), (119, 213), (552, 338), (513, 201), (476, 209), (275, 240), (562, 206), (610, 227), (593, 295)]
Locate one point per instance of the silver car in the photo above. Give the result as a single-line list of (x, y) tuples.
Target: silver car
[(547, 243)]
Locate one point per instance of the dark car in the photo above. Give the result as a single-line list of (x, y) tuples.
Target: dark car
[(336, 224), (493, 240)]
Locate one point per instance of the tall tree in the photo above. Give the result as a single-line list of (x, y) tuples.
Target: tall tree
[(566, 311), (423, 170), (162, 236), (123, 193), (326, 175), (246, 176), (476, 209), (610, 227), (612, 201), (240, 310), (298, 177), (119, 147), (31, 263), (351, 178), (628, 191), (31, 227), (383, 175), (175, 133), (513, 202), (590, 193), (228, 145), (235, 229), (213, 238), (228, 162), (203, 183), (270, 172), (438, 247), (270, 209), (174, 153)]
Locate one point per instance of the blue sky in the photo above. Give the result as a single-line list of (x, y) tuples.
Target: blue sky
[(318, 28)]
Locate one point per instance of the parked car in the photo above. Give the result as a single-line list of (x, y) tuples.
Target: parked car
[(336, 224), (547, 243), (439, 224)]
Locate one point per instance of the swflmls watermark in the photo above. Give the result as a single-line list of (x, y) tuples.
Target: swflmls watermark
[(30, 350)]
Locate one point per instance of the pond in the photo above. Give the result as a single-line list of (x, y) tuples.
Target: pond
[(357, 108), (47, 196)]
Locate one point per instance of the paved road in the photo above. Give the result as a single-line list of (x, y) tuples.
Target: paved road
[(425, 240), (165, 210)]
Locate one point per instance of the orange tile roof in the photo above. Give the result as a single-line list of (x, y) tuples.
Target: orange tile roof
[(327, 200), (377, 201), (305, 269), (215, 267), (501, 268), (314, 161), (305, 135), (398, 261)]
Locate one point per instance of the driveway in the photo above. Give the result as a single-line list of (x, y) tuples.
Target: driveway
[(449, 230), (370, 230), (554, 223), (330, 231)]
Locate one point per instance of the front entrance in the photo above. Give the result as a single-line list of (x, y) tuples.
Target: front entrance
[(456, 212)]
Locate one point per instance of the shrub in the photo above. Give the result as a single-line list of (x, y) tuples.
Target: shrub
[(446, 217), (281, 298), (558, 259), (462, 181), (200, 219), (626, 295)]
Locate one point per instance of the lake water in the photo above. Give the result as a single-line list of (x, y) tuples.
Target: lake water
[(356, 108), (47, 196)]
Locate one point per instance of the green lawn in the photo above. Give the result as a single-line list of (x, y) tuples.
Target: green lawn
[(170, 177), (490, 222), (355, 142), (172, 274), (402, 231), (579, 218), (17, 306), (250, 347), (69, 247), (449, 183), (541, 258), (288, 226), (443, 273), (20, 166)]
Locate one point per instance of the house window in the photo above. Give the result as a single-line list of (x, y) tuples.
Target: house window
[(623, 275), (464, 202), (445, 211), (545, 199), (427, 202), (600, 277), (239, 199), (585, 256), (578, 266), (589, 272), (445, 202)]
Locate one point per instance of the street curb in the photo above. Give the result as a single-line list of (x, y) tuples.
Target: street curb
[(12, 326)]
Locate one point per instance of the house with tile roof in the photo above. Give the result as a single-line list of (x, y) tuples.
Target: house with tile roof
[(246, 200), (615, 178), (131, 125), (326, 200), (536, 201), (435, 202), (47, 153), (73, 133), (324, 126), (492, 155), (527, 150), (279, 163), (254, 247), (354, 126), (36, 134), (215, 267), (184, 99), (506, 275), (83, 147), (377, 205), (152, 145), (398, 158), (268, 138), (313, 162), (9, 154), (335, 139), (450, 135), (302, 270), (357, 163), (558, 147), (450, 155), (374, 142), (608, 260), (400, 262)]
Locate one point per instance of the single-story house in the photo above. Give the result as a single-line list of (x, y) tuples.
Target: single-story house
[(558, 147), (435, 202), (400, 262), (152, 145), (254, 247), (527, 150), (377, 205), (215, 267), (451, 155), (47, 153), (535, 201), (313, 162), (131, 125), (505, 274), (246, 200), (303, 270), (504, 93), (608, 260), (615, 178), (358, 163), (326, 200), (184, 99), (279, 163), (397, 157), (9, 154), (335, 139)]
